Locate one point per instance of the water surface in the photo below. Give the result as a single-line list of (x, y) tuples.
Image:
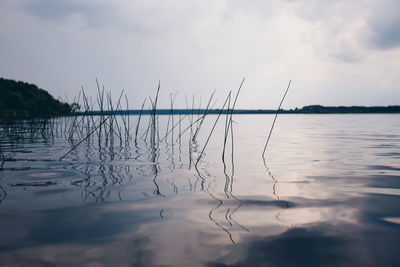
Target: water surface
[(327, 194)]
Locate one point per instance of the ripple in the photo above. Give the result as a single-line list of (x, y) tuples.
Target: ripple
[(48, 183), (375, 190)]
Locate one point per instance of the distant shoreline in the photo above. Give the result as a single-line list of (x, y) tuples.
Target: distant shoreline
[(20, 100), (314, 109)]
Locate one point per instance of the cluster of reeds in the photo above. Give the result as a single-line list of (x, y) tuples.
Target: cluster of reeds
[(18, 133), (108, 123), (112, 122)]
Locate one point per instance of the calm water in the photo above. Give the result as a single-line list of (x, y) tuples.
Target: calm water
[(327, 194)]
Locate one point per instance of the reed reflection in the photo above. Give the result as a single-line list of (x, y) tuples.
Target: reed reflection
[(276, 195), (229, 223), (3, 194)]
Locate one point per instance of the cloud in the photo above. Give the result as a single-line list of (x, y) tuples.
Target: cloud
[(334, 28), (95, 15), (197, 46), (384, 25), (348, 30)]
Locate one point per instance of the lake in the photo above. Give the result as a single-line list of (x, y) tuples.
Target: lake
[(327, 193)]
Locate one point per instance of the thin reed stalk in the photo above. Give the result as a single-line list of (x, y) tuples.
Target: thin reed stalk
[(226, 129), (138, 122), (128, 126), (200, 120), (80, 142), (100, 102), (153, 127), (231, 114), (174, 126), (113, 112), (212, 130), (276, 115)]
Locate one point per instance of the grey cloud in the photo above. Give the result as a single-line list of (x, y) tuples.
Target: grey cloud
[(328, 11), (387, 38), (384, 25), (49, 9), (346, 54), (381, 20), (334, 33), (95, 14)]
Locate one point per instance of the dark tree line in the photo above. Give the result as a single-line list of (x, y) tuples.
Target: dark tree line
[(23, 100), (351, 109)]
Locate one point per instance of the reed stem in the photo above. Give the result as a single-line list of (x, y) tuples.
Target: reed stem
[(276, 115)]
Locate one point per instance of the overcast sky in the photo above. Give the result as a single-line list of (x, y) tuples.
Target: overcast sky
[(336, 52)]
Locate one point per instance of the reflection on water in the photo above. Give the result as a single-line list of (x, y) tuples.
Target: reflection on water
[(326, 194)]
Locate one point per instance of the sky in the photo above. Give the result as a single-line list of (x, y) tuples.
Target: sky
[(335, 52)]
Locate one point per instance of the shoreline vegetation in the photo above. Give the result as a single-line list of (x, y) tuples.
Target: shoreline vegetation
[(21, 100)]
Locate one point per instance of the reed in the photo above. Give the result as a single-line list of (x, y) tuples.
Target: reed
[(174, 126), (172, 99), (138, 122), (80, 142), (113, 115), (212, 129), (127, 121), (153, 117), (276, 115), (88, 110), (228, 123), (180, 130), (200, 120), (100, 102), (226, 131), (74, 122), (192, 116)]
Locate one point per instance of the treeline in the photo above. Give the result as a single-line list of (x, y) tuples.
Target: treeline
[(24, 100), (350, 109), (314, 109)]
